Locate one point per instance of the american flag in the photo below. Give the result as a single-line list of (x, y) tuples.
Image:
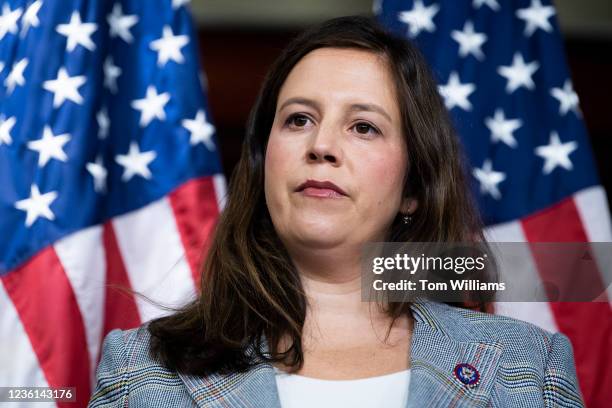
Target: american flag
[(502, 72), (109, 177)]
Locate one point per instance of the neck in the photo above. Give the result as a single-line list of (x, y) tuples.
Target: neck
[(332, 283), (339, 326)]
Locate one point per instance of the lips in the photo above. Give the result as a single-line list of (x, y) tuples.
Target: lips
[(325, 189)]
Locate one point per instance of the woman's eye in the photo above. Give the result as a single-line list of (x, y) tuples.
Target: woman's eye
[(365, 128), (297, 120)]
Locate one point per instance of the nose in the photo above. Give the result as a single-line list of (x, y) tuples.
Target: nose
[(324, 147)]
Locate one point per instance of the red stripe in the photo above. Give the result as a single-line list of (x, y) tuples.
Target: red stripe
[(120, 310), (196, 211), (588, 325), (47, 307)]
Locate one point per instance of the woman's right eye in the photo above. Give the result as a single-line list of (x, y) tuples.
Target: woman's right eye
[(297, 120)]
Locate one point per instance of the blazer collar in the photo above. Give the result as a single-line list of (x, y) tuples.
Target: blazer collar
[(436, 349)]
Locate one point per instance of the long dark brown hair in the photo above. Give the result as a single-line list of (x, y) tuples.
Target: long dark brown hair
[(250, 289)]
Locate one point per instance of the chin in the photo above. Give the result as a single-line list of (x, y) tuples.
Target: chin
[(318, 242), (320, 225), (319, 234)]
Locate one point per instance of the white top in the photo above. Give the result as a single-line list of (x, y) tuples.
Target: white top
[(297, 391)]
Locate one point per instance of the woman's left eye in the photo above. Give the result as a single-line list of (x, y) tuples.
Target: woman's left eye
[(365, 128)]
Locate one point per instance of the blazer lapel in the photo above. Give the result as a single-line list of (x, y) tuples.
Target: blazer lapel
[(253, 388), (434, 356)]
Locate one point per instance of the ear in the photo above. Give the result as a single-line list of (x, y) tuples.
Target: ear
[(409, 205)]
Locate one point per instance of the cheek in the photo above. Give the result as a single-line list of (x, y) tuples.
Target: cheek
[(383, 180), (276, 168), (277, 157)]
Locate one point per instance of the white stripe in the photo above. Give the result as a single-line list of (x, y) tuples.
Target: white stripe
[(593, 209), (18, 363), (538, 313), (506, 232), (82, 257), (220, 190), (594, 213), (154, 258)]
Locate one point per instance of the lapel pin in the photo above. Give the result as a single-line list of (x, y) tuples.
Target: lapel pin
[(467, 374)]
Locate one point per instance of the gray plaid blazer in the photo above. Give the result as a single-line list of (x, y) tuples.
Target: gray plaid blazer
[(520, 365)]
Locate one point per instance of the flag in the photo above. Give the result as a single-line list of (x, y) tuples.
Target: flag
[(110, 178), (503, 76)]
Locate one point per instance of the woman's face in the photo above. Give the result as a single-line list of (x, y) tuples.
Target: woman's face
[(337, 120)]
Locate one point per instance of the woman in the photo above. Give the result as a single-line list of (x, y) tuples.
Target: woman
[(348, 143)]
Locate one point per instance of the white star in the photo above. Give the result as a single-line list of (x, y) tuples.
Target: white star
[(120, 24), (50, 147), (169, 46), (99, 173), (201, 130), (455, 93), (419, 18), (6, 126), (493, 4), (502, 129), (30, 17), (1, 66), (152, 106), (65, 87), (8, 20), (111, 73), (15, 77), (78, 33), (556, 153), (469, 41), (536, 16), (178, 3), (489, 179), (37, 205), (568, 99), (518, 74), (135, 162), (103, 123)]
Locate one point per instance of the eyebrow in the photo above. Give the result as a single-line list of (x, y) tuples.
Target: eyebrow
[(356, 107)]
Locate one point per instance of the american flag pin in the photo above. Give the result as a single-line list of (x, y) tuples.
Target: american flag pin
[(467, 374)]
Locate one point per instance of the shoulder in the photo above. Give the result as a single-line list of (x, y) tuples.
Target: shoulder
[(126, 348), (127, 374), (520, 342), (470, 325), (526, 349)]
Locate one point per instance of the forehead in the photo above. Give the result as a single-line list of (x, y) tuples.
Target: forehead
[(341, 75)]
